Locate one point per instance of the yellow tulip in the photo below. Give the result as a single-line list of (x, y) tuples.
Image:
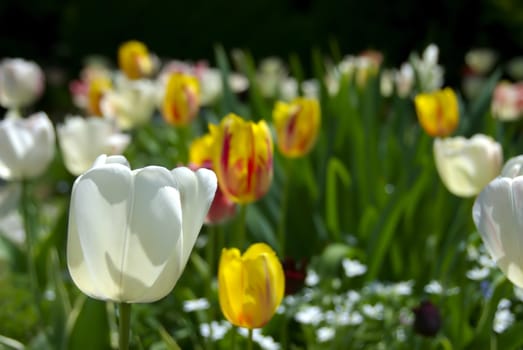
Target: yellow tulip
[(200, 150), (134, 60), (181, 100), (242, 158), (98, 86), (250, 286), (438, 112), (297, 124)]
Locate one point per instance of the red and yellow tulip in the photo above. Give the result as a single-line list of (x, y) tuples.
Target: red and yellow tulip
[(250, 286), (297, 124), (181, 100), (438, 112), (134, 60), (242, 158)]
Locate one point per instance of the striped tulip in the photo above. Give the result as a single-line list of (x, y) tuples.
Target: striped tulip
[(134, 60), (297, 124), (181, 100), (250, 286), (243, 158), (438, 112)]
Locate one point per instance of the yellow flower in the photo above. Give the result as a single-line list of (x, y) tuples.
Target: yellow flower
[(297, 124), (438, 112), (98, 86), (250, 286), (134, 60), (181, 100), (242, 158), (200, 150)]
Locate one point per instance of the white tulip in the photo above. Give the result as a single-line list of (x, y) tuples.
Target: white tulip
[(82, 140), (27, 146), (131, 231), (21, 82), (131, 103), (466, 166), (497, 213)]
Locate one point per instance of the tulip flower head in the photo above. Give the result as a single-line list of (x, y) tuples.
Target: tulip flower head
[(243, 158), (466, 166), (181, 100), (438, 112), (131, 232), (21, 83), (98, 86), (250, 286), (27, 146), (497, 213), (507, 102), (134, 60), (297, 124), (83, 140)]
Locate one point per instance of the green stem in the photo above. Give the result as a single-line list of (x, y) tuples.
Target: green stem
[(283, 207), (28, 214), (210, 249), (184, 134), (125, 321), (249, 344), (233, 337), (241, 230)]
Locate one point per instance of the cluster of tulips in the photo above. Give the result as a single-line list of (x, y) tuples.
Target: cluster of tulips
[(131, 231)]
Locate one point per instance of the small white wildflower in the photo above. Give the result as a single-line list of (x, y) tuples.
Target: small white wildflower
[(486, 261), (309, 315), (453, 291), (325, 334), (478, 274), (373, 311), (312, 278), (403, 288), (503, 319), (195, 305), (434, 287), (400, 335), (266, 342), (353, 268), (217, 329), (353, 297), (355, 318)]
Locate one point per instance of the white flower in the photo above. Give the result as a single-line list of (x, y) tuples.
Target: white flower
[(21, 82), (324, 334), (466, 166), (195, 305), (503, 318), (312, 278), (27, 146), (82, 140), (404, 79), (434, 287), (403, 288), (373, 311), (478, 274), (131, 232), (309, 315), (9, 197), (215, 330), (353, 268)]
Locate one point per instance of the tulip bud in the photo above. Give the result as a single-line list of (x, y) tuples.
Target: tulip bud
[(297, 124), (98, 86), (466, 166), (438, 112), (27, 146), (497, 215), (250, 286), (181, 100), (131, 232), (481, 60), (21, 82), (427, 319), (83, 140), (243, 158), (134, 60), (507, 102)]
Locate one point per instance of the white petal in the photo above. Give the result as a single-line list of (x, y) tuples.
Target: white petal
[(153, 255), (497, 215), (197, 191), (98, 219)]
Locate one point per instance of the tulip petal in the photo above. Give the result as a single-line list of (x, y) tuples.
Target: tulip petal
[(11, 153), (100, 205), (231, 281), (496, 213), (197, 191)]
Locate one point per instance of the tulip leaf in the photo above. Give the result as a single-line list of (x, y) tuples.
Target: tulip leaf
[(335, 169), (512, 338), (10, 343), (229, 100), (88, 325), (168, 340)]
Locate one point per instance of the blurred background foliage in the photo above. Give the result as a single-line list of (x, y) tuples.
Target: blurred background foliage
[(62, 32)]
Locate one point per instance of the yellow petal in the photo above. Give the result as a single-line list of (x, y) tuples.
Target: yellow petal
[(438, 112)]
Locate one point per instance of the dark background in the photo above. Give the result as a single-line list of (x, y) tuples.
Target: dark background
[(61, 33)]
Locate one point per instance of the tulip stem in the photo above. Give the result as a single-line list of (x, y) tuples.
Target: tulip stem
[(125, 321), (283, 207), (241, 230), (249, 344)]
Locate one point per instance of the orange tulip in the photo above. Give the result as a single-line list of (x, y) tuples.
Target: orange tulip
[(250, 286), (242, 157), (181, 100), (297, 124), (438, 112)]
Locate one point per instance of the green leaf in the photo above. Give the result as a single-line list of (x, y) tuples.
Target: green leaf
[(88, 325)]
